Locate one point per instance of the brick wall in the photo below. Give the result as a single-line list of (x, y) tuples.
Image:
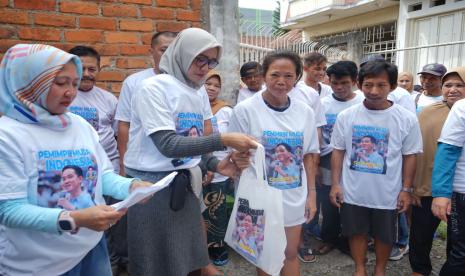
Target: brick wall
[(120, 30)]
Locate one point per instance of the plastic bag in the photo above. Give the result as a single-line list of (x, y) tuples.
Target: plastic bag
[(256, 226)]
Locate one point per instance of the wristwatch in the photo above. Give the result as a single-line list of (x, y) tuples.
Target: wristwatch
[(408, 190), (66, 223)]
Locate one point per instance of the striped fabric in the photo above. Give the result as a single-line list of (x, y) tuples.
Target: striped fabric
[(27, 72)]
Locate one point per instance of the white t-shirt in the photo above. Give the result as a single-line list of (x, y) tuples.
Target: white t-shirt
[(326, 90), (372, 170), (331, 108), (123, 111), (220, 124), (453, 133), (284, 162), (98, 107), (403, 98), (309, 96), (32, 169), (424, 101), (163, 103), (244, 93)]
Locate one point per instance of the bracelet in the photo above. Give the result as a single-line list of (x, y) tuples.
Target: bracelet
[(407, 189)]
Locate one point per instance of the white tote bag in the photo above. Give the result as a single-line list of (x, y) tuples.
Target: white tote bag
[(256, 227)]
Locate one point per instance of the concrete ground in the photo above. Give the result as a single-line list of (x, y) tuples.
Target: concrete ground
[(336, 263)]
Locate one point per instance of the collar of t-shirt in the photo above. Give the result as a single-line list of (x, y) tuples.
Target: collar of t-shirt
[(279, 109)]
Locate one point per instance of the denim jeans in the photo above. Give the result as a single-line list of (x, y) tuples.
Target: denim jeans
[(455, 263), (403, 231), (96, 262)]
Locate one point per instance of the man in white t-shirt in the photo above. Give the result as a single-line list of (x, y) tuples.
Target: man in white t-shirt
[(430, 79), (160, 42), (371, 191), (95, 104), (342, 78), (315, 72), (252, 77)]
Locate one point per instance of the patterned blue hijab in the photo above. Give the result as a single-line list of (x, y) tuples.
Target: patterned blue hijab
[(27, 72)]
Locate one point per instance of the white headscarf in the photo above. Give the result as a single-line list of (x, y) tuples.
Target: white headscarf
[(181, 53)]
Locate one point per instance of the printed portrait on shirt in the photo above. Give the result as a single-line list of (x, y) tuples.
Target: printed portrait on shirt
[(66, 179), (188, 124), (284, 153), (327, 130), (369, 149), (249, 232)]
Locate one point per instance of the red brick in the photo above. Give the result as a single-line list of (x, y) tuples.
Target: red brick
[(6, 44), (143, 2), (42, 34), (136, 25), (121, 37), (173, 3), (6, 32), (131, 63), (197, 25), (14, 17), (119, 11), (97, 23), (188, 15), (4, 3), (196, 5), (157, 13), (135, 50), (63, 46), (106, 61), (79, 7), (146, 39), (110, 76), (107, 49), (48, 5), (54, 20), (115, 88), (171, 26), (83, 36)]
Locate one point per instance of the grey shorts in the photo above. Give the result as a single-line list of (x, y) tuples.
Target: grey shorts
[(378, 223)]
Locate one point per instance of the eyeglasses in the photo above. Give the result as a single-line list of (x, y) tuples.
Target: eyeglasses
[(201, 61)]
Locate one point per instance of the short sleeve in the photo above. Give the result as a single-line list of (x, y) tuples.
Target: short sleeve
[(152, 108), (238, 122), (453, 131), (319, 112), (207, 110), (312, 144), (13, 178), (337, 137), (413, 142), (222, 117), (123, 110)]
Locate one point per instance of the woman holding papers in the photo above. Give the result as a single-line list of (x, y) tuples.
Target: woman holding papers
[(165, 235), (51, 215)]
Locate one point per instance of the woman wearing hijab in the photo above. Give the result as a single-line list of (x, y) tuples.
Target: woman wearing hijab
[(38, 140), (165, 237)]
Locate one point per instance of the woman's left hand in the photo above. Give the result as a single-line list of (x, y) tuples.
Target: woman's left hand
[(310, 205), (137, 184), (241, 159)]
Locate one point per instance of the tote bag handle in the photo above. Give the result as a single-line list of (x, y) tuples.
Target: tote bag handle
[(259, 163)]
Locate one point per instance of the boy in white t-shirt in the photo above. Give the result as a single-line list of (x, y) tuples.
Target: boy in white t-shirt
[(251, 76), (315, 72), (371, 191)]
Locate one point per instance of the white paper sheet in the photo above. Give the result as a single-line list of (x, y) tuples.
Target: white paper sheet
[(139, 194)]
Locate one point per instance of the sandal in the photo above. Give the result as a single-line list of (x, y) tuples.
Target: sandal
[(304, 253), (324, 249)]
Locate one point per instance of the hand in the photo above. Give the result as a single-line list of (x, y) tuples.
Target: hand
[(208, 178), (227, 167), (310, 205), (441, 207), (335, 195), (403, 201), (97, 218), (136, 184), (65, 204), (241, 159), (238, 141), (416, 200)]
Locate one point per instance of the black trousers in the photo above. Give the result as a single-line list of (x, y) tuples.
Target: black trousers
[(331, 224), (424, 224), (455, 263)]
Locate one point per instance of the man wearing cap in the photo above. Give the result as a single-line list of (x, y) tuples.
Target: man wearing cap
[(431, 120), (430, 79), (448, 180)]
